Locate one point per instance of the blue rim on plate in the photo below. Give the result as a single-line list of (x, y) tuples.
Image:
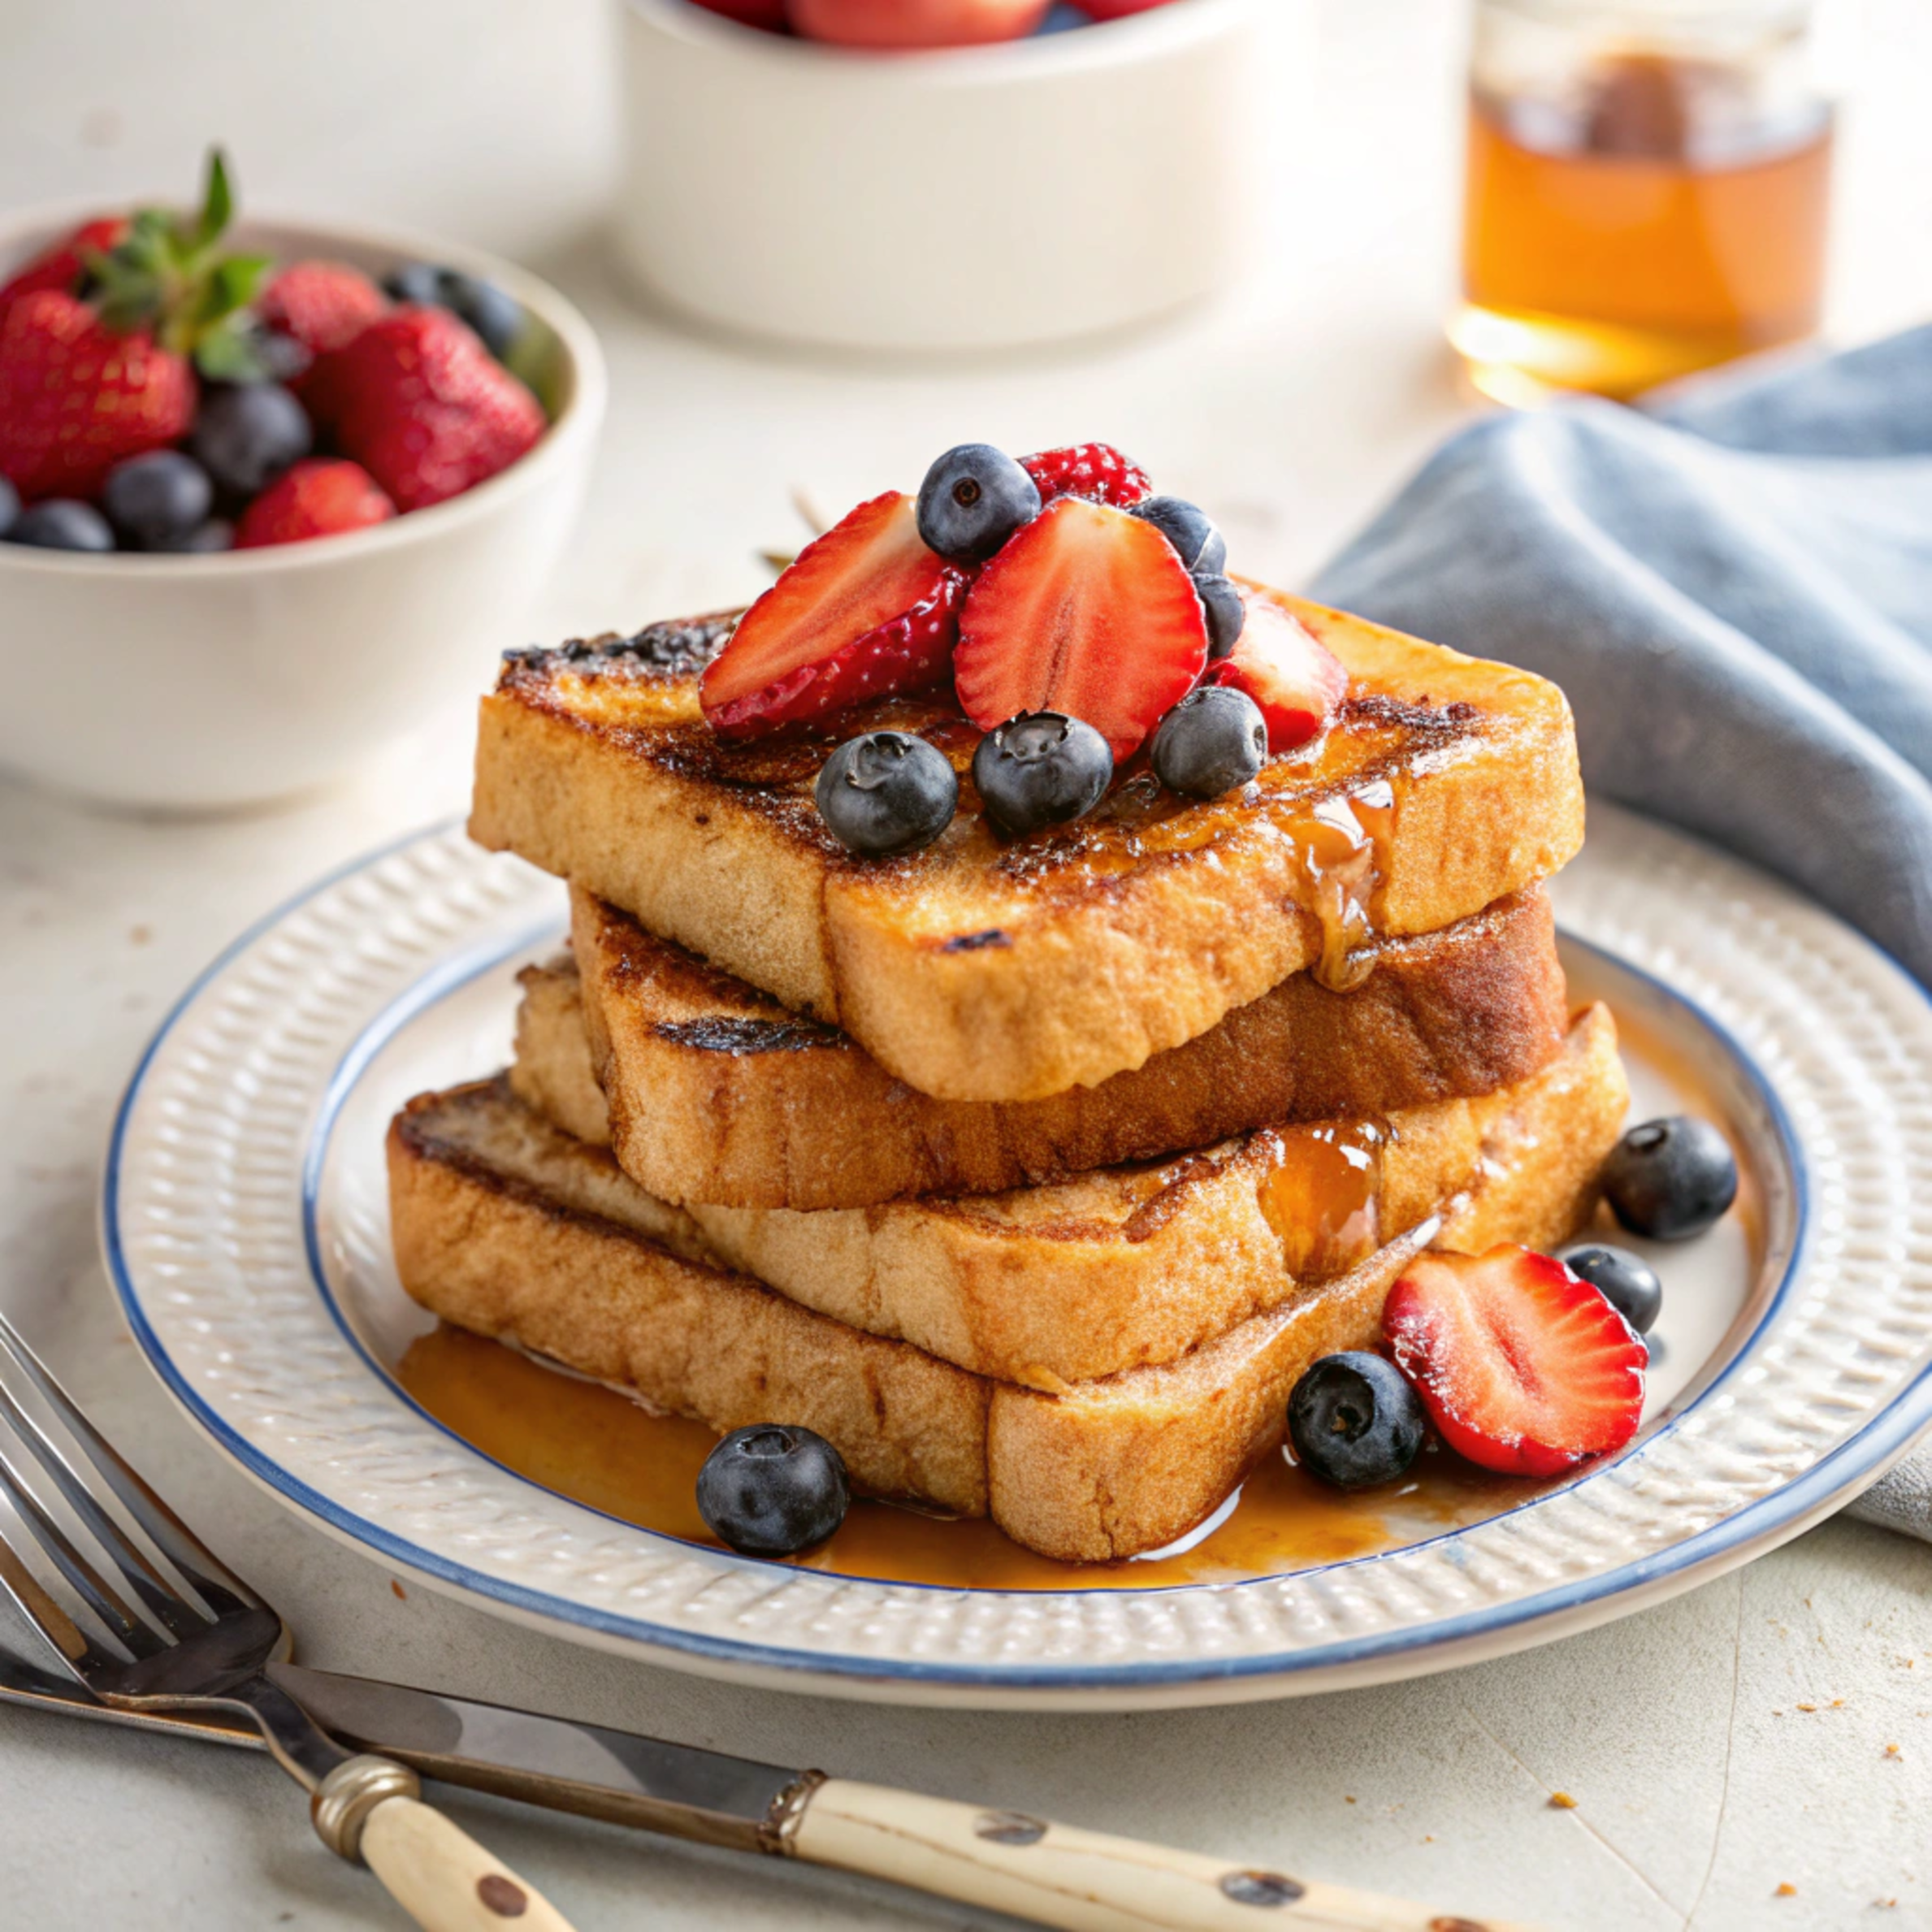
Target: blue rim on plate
[(1859, 1458)]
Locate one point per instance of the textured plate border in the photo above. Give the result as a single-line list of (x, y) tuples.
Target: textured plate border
[(221, 1129)]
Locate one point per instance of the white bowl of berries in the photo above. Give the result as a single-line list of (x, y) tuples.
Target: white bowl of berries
[(268, 492), (946, 176)]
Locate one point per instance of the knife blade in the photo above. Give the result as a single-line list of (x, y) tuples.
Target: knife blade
[(681, 1791)]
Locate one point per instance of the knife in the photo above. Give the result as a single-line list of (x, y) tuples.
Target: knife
[(1007, 1860)]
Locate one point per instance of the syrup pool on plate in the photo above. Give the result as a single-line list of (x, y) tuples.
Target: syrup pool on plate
[(599, 1448)]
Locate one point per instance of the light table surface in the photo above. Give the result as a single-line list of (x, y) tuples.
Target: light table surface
[(1702, 1784)]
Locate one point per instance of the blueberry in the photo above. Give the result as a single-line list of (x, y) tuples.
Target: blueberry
[(774, 1489), (1214, 740), (204, 539), (418, 282), (1191, 530), (973, 498), (1671, 1179), (1625, 1281), (496, 317), (10, 505), (1041, 769), (155, 501), (60, 523), (1227, 615), (1354, 1420), (248, 433), (885, 793)]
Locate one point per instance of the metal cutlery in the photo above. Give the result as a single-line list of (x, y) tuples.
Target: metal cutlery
[(199, 1641), (1008, 1861)]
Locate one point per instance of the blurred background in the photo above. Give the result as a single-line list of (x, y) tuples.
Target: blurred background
[(1289, 397)]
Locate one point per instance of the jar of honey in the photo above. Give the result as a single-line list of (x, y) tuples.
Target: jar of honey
[(1647, 191)]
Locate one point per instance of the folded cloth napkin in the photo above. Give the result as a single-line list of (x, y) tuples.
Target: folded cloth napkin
[(1733, 582)]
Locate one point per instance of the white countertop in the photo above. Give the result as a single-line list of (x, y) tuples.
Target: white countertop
[(1701, 1785)]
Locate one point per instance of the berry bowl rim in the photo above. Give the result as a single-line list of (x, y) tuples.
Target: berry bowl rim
[(1131, 40), (584, 393)]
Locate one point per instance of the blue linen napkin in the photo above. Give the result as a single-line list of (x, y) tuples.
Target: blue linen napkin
[(1733, 582)]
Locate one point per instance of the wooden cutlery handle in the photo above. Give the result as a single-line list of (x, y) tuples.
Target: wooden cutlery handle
[(1080, 1881)]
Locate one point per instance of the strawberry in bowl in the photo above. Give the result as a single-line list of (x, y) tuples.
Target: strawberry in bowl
[(261, 609), (136, 334)]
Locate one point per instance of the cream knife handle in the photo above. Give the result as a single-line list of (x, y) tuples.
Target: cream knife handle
[(1080, 1881), (368, 1808), (444, 1880)]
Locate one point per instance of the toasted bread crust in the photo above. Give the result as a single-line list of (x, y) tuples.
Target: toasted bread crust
[(719, 1094), (505, 1226), (578, 1270), (979, 970), (1124, 1464), (1126, 1266)]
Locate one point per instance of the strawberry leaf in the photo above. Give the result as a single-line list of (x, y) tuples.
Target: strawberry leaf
[(218, 206), (231, 351)]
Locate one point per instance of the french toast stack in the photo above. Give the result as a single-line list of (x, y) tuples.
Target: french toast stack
[(1030, 1172)]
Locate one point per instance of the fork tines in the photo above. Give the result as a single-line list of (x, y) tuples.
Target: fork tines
[(61, 1502)]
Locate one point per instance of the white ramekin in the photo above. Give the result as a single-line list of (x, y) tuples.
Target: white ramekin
[(969, 199), (193, 682)]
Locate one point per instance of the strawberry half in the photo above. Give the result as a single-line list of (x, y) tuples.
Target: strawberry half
[(1521, 1367), (1296, 679), (1097, 471), (1086, 611), (863, 612)]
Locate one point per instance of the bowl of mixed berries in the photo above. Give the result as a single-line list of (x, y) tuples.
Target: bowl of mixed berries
[(278, 487), (937, 176)]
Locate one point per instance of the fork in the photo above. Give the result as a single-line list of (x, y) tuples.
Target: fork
[(150, 1643)]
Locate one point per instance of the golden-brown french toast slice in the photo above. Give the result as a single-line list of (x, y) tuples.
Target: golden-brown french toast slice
[(1115, 1268), (717, 1094), (506, 1226), (990, 969)]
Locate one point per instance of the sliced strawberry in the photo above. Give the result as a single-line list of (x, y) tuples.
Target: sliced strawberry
[(1522, 1367), (1097, 471), (863, 612), (1296, 679), (1086, 610)]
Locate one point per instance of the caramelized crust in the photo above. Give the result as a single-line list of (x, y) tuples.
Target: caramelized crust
[(983, 969), (719, 1094), (1124, 1266)]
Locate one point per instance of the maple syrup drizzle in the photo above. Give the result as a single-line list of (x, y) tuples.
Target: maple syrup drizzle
[(1341, 849), (1321, 1193), (598, 1447)]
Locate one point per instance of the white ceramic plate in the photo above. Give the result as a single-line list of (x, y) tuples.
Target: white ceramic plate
[(244, 1225)]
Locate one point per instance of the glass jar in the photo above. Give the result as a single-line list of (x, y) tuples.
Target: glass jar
[(1646, 190)]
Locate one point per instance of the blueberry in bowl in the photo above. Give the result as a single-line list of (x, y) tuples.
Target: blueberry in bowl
[(247, 434), (1354, 1420), (774, 1489), (158, 500), (60, 523)]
